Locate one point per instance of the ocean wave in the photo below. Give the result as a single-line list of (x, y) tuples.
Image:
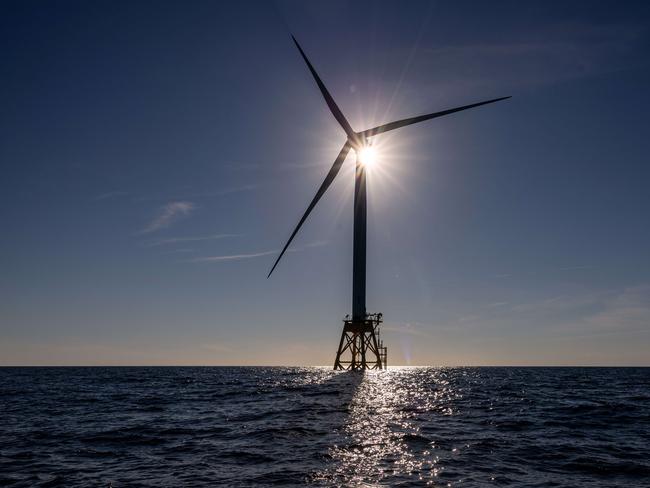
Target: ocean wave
[(578, 427)]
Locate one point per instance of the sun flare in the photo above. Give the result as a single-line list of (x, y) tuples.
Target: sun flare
[(368, 156)]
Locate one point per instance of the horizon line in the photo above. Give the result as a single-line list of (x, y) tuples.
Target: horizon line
[(319, 366)]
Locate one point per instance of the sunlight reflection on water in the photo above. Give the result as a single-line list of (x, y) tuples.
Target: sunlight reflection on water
[(381, 432), (443, 427)]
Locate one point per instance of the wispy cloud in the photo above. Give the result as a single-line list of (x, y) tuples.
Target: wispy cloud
[(169, 214), (528, 59), (530, 272), (584, 312), (406, 328), (310, 245), (628, 309), (233, 257), (280, 166), (236, 257), (174, 240)]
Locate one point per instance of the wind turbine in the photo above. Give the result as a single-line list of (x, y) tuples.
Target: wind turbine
[(360, 333)]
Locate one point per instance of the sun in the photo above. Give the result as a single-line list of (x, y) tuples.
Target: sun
[(368, 156)]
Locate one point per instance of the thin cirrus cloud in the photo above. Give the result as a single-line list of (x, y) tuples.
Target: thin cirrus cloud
[(169, 213), (175, 240), (526, 59), (237, 257), (233, 257)]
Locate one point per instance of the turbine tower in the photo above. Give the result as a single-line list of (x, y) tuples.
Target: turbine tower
[(360, 335)]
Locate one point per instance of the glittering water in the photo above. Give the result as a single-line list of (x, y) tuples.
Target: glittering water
[(574, 427)]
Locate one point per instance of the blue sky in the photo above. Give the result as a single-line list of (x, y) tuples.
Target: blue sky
[(156, 156)]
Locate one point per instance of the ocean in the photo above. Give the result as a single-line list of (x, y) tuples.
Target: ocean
[(293, 426)]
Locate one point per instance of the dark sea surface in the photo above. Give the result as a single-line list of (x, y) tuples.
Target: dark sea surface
[(214, 426)]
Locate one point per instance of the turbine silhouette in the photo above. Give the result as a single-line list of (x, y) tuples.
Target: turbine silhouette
[(360, 333)]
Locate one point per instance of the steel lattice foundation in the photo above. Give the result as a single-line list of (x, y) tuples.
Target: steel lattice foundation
[(360, 346)]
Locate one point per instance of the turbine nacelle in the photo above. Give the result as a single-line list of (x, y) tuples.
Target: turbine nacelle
[(358, 142)]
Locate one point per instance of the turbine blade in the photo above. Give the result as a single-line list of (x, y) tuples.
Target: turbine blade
[(414, 120), (334, 170), (336, 111)]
